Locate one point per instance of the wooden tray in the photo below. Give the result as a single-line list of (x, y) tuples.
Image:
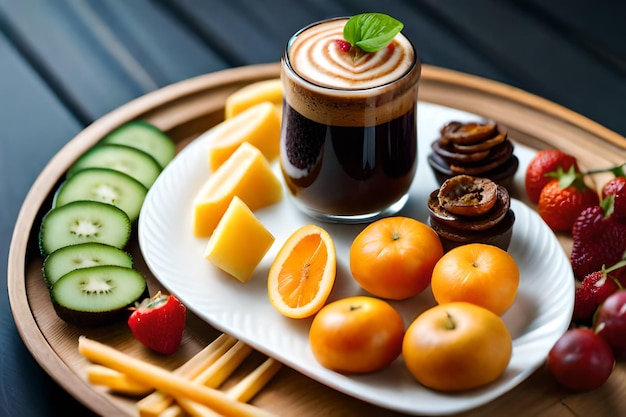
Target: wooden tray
[(186, 109)]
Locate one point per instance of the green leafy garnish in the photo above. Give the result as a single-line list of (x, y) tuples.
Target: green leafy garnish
[(371, 32)]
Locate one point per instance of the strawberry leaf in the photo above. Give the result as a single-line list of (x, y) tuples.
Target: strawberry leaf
[(371, 32), (608, 205), (569, 178)]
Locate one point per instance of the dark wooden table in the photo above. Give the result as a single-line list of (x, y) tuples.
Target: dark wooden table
[(64, 64)]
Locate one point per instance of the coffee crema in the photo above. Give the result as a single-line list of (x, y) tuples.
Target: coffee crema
[(315, 55), (374, 96)]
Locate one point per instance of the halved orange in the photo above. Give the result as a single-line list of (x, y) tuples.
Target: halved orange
[(303, 273)]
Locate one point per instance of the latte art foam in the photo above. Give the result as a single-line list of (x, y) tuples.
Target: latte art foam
[(315, 55)]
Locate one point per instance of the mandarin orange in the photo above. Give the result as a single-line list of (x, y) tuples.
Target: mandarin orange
[(357, 334), (481, 274), (457, 346), (394, 257)]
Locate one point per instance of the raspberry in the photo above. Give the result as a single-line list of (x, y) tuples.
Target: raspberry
[(343, 45), (613, 186), (594, 289), (597, 240)]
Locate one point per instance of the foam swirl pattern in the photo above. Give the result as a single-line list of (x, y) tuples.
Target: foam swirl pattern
[(540, 314), (315, 56)]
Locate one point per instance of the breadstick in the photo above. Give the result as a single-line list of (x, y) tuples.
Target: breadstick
[(249, 386), (156, 403), (162, 379), (116, 381), (216, 374)]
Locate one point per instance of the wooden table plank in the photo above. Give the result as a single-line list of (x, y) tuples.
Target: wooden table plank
[(598, 26), (437, 44), (133, 48), (99, 55), (35, 125), (245, 34), (539, 59)]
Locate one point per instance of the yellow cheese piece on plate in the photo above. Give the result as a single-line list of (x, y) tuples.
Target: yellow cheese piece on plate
[(267, 90), (258, 125), (247, 175), (239, 242)]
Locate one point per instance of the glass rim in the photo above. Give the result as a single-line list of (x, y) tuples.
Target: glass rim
[(286, 61)]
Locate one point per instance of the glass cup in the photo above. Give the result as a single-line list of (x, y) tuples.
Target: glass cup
[(348, 145)]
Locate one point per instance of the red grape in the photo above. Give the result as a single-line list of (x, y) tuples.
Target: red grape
[(581, 360), (611, 321)]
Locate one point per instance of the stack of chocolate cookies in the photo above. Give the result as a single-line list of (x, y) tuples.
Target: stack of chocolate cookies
[(469, 209), (480, 149)]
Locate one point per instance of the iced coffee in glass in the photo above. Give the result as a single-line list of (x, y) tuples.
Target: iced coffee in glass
[(348, 148)]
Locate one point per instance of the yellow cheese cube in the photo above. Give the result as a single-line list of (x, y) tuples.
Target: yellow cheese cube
[(247, 175), (258, 125), (255, 93), (239, 243)]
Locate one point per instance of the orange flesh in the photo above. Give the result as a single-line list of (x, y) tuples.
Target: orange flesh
[(302, 272)]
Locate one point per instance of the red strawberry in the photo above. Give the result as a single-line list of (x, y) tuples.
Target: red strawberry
[(594, 289), (563, 198), (159, 322), (599, 238), (545, 161)]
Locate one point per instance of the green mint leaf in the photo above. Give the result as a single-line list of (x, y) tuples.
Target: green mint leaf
[(371, 31)]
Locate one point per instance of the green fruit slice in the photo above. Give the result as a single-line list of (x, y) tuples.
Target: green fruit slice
[(82, 222), (97, 295), (83, 255)]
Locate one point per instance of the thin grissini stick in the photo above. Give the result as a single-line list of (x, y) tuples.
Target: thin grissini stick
[(116, 381), (249, 386), (206, 356), (175, 412), (216, 374), (189, 408), (156, 403), (164, 380), (122, 384), (222, 368), (243, 391)]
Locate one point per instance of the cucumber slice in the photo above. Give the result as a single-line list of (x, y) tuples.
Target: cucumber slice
[(130, 161), (97, 295), (83, 255), (145, 137), (105, 185), (82, 222)]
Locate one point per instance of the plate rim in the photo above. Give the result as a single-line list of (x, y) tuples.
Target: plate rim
[(162, 205)]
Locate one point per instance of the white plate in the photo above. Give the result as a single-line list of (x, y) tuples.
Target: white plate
[(540, 314)]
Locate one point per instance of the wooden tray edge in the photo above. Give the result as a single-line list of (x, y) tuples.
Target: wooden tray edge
[(433, 76), (433, 80)]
